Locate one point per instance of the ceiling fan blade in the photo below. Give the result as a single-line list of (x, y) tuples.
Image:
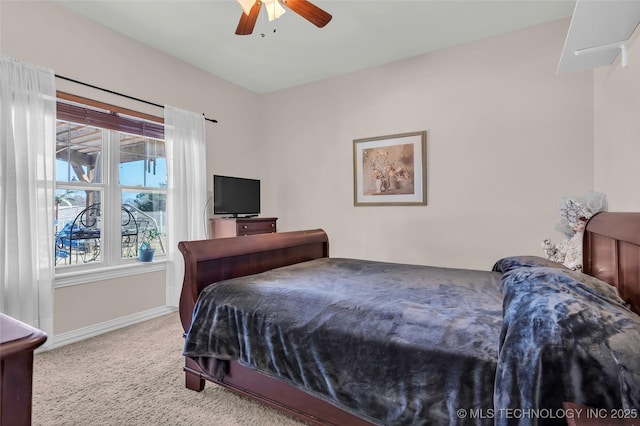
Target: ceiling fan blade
[(247, 22), (310, 12)]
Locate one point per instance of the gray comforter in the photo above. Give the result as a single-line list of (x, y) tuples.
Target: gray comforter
[(565, 336), (401, 344)]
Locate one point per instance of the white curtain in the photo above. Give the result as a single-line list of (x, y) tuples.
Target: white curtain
[(27, 128), (187, 189)]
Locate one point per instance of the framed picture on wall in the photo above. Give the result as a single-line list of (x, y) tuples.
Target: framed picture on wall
[(390, 170)]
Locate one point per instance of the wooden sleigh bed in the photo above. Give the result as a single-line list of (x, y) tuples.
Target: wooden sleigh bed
[(611, 253)]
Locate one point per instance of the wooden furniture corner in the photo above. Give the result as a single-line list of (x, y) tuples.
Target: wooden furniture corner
[(17, 343)]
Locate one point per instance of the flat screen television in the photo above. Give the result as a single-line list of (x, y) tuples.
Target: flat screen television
[(236, 196)]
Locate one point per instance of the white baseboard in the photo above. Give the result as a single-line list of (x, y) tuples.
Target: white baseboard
[(69, 337)]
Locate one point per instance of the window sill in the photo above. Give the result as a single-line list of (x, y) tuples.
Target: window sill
[(84, 276)]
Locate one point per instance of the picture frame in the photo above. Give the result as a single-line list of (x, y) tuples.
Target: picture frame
[(390, 170)]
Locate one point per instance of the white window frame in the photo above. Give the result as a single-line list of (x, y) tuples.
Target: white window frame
[(112, 265)]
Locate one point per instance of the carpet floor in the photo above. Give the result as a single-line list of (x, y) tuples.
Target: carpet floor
[(133, 376)]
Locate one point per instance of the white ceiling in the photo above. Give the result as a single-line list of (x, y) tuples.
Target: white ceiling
[(362, 33)]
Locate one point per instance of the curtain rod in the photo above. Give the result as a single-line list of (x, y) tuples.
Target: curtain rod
[(120, 94)]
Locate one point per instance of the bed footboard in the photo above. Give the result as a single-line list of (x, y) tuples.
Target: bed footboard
[(209, 261)]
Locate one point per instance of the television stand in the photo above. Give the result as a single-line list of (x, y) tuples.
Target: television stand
[(241, 226)]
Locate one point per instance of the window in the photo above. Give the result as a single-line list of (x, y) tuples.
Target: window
[(111, 185)]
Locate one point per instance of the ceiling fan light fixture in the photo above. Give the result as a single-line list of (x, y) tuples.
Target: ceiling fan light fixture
[(274, 9), (246, 5)]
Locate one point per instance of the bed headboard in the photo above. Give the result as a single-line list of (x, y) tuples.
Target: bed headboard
[(611, 252)]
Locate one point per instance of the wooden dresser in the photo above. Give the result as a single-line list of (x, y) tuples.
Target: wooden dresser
[(17, 343), (238, 227)]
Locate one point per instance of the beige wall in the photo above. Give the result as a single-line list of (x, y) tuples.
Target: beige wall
[(506, 139), (617, 130), (84, 305)]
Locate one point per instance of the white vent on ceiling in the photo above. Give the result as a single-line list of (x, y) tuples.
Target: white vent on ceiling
[(599, 31)]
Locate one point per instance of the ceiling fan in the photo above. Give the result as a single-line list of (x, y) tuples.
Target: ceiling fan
[(304, 8)]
